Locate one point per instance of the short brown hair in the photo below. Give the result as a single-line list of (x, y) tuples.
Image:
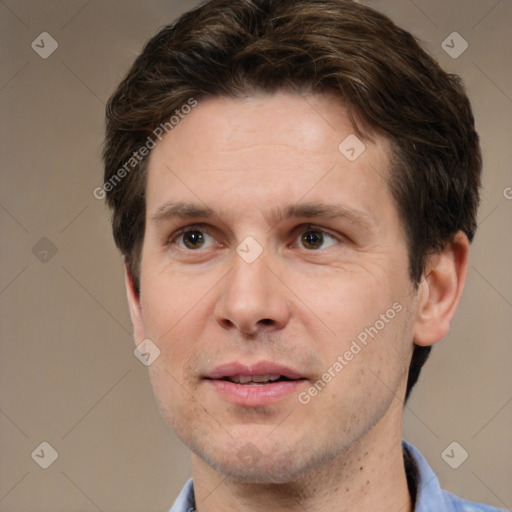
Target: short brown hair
[(389, 85)]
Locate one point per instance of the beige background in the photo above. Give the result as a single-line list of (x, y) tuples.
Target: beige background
[(68, 373)]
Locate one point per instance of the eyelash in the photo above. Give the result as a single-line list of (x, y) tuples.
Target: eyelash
[(204, 229)]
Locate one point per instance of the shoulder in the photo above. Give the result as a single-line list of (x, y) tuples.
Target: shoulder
[(460, 505), (429, 494)]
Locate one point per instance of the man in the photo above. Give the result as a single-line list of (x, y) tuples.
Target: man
[(294, 187)]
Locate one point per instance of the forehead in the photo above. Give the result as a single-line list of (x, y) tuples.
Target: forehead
[(304, 124), (256, 153)]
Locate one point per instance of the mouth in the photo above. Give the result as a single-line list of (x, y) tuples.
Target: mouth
[(256, 380), (254, 385)]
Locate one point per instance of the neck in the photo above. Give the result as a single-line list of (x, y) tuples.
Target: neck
[(370, 476)]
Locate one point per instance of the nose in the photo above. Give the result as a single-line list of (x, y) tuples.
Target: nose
[(252, 298)]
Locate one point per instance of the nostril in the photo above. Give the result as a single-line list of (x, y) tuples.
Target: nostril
[(267, 321), (227, 323)]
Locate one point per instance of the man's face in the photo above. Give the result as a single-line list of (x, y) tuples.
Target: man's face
[(221, 312)]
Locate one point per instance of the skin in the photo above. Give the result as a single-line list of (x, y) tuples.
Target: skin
[(297, 304)]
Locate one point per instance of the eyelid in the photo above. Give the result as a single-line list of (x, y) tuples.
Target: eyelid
[(313, 227), (190, 227)]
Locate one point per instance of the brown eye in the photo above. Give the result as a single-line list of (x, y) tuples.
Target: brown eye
[(312, 239), (315, 239), (198, 238), (193, 239)]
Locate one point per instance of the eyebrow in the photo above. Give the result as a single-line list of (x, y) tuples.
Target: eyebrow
[(184, 210)]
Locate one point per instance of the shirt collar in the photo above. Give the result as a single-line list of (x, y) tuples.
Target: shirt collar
[(429, 495), (185, 502)]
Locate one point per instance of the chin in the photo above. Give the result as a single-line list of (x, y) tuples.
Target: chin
[(261, 463), (277, 469)]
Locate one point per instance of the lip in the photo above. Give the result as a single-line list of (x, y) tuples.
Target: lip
[(254, 395), (259, 368)]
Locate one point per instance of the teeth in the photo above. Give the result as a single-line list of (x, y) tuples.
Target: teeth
[(265, 378), (258, 379)]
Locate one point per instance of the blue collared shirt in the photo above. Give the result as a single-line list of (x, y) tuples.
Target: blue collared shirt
[(429, 496)]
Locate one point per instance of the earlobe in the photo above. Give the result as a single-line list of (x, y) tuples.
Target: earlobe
[(440, 291), (134, 305)]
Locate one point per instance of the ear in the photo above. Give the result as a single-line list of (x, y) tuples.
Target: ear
[(134, 305), (440, 291)]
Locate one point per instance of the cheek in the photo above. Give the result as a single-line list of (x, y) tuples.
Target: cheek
[(174, 322), (172, 397), (169, 299), (370, 327), (176, 329), (345, 301)]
